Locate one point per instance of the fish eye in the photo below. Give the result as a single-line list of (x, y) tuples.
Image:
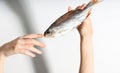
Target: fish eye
[(47, 32)]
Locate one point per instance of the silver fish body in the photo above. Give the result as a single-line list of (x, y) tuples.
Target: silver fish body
[(68, 21)]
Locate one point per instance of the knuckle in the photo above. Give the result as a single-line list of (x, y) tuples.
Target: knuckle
[(19, 40), (21, 37), (29, 40), (16, 47)]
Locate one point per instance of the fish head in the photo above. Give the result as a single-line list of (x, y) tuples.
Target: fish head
[(49, 33), (56, 31)]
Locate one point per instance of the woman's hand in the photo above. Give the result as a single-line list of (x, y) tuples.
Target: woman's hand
[(22, 45), (85, 28), (86, 44)]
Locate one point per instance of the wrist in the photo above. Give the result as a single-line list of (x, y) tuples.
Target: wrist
[(2, 61), (86, 37), (85, 33), (2, 56)]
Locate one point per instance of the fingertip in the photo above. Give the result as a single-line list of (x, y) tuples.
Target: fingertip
[(43, 36), (29, 53), (34, 56), (69, 8), (88, 15), (83, 6), (40, 35), (43, 45), (40, 53)]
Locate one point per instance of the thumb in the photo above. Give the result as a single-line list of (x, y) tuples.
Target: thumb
[(89, 12)]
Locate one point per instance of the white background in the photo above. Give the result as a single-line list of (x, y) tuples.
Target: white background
[(61, 55)]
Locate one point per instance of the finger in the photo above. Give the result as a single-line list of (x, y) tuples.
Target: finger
[(35, 50), (37, 43), (89, 12), (29, 53), (78, 7), (81, 7), (33, 36), (33, 42), (84, 5), (69, 8)]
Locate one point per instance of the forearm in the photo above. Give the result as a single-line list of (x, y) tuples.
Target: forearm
[(2, 60), (87, 57)]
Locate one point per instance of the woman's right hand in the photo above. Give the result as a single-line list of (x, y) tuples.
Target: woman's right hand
[(85, 28), (23, 45)]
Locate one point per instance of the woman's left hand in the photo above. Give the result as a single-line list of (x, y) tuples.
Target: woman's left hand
[(22, 45)]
